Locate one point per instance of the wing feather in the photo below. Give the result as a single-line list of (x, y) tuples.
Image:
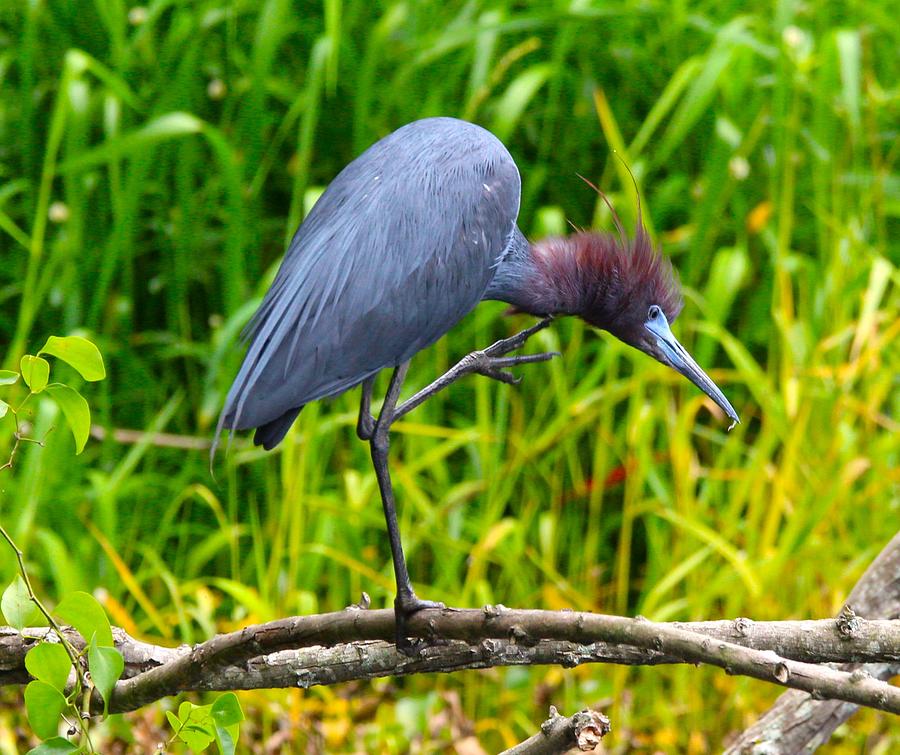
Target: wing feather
[(397, 250)]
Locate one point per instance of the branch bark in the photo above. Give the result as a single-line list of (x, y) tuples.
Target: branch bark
[(797, 723), (358, 644)]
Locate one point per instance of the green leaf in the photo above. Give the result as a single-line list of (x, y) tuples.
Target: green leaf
[(226, 739), (82, 611), (162, 128), (49, 662), (8, 377), (512, 104), (16, 605), (77, 412), (226, 714), (174, 721), (196, 737), (226, 710), (4, 408), (54, 746), (44, 705), (79, 353), (197, 728), (35, 372), (106, 665)]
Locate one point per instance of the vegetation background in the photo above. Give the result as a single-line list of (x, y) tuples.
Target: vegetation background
[(155, 159)]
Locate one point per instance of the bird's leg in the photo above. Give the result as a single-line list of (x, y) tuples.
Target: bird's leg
[(491, 362), (365, 425), (406, 603)]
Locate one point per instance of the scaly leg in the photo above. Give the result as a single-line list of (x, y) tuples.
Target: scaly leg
[(491, 362), (406, 603)]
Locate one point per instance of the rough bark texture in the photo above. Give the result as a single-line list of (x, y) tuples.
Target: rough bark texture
[(357, 644), (798, 723)]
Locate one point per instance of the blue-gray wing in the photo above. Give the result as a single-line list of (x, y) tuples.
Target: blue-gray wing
[(398, 249)]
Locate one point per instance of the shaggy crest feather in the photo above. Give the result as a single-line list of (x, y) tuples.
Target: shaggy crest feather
[(608, 280)]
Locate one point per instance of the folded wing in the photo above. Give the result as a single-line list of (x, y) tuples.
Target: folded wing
[(398, 249)]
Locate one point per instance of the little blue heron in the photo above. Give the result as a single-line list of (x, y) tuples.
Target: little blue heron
[(403, 243)]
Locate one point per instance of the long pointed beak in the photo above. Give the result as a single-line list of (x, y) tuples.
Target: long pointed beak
[(677, 357)]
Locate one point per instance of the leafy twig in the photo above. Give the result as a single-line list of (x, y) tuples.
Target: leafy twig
[(74, 656)]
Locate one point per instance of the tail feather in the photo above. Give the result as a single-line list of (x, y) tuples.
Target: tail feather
[(270, 434)]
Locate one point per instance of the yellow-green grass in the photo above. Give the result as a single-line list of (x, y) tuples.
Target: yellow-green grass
[(153, 162)]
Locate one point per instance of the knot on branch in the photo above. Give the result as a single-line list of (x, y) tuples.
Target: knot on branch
[(518, 636), (782, 673), (494, 612), (742, 626), (847, 622), (365, 603)]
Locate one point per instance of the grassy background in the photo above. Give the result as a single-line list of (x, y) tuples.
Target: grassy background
[(153, 161)]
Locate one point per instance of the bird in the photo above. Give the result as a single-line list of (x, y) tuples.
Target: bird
[(405, 241)]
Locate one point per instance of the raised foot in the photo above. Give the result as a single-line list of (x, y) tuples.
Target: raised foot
[(495, 367), (505, 345), (404, 609), (492, 361)]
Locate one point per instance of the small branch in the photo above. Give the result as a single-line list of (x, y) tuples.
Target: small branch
[(798, 723), (160, 440), (81, 678), (559, 734)]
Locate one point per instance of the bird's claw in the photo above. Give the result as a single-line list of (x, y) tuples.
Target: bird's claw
[(404, 609), (495, 373), (517, 341), (543, 356), (495, 366)]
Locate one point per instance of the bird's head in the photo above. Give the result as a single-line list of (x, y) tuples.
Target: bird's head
[(627, 287)]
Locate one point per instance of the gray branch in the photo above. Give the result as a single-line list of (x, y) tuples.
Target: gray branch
[(357, 644), (797, 723)]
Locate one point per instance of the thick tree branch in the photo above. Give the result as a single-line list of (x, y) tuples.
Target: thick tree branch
[(799, 723), (357, 644)]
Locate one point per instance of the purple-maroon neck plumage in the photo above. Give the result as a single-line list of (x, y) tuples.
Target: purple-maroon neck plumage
[(603, 278), (621, 285), (608, 280)]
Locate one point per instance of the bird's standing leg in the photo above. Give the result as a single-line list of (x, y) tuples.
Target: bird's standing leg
[(491, 362), (406, 603)]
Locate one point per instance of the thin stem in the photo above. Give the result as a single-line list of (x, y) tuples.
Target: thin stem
[(73, 654), (57, 630)]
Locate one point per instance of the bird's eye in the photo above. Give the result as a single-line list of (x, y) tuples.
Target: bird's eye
[(653, 313)]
